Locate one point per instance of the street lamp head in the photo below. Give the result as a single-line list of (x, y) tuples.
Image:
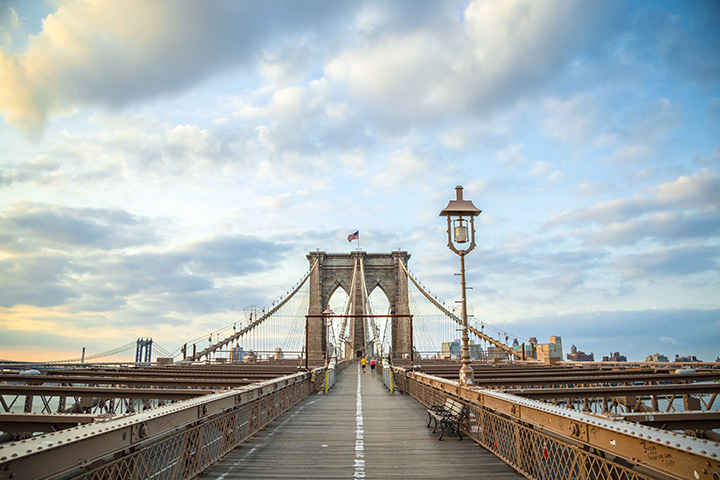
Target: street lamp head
[(456, 212), (460, 207)]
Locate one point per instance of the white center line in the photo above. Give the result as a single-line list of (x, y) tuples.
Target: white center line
[(359, 434)]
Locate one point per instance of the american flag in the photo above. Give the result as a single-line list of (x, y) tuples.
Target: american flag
[(354, 236)]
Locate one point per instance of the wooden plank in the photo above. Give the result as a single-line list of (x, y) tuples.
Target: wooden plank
[(324, 437)]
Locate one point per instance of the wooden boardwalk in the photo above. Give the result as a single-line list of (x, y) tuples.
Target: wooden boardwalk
[(359, 430)]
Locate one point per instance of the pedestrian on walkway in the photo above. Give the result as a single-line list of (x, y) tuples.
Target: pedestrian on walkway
[(363, 361), (372, 365)]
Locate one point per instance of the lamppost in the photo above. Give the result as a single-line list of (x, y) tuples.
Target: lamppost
[(456, 212)]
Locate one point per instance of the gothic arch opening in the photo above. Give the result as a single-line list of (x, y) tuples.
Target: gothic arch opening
[(339, 299), (380, 305)]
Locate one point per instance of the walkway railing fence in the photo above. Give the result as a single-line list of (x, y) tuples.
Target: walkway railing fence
[(547, 442), (176, 441)]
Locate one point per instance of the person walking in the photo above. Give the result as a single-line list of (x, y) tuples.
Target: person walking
[(363, 361), (372, 365)]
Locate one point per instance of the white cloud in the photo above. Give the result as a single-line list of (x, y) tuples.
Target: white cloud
[(696, 191), (9, 23), (575, 119), (699, 190), (403, 167), (276, 204), (453, 140), (512, 157), (541, 168), (186, 140), (465, 66), (119, 53)]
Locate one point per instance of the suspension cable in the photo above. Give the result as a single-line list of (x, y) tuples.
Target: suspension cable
[(368, 310), (454, 317), (349, 307), (253, 324)]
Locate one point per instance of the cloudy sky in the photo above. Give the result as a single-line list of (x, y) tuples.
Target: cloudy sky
[(166, 164)]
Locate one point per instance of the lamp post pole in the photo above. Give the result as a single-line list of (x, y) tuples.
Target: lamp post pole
[(459, 232), (466, 372)]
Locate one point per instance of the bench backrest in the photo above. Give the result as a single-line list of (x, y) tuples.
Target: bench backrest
[(453, 406)]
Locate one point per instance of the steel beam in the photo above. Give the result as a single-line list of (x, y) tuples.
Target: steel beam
[(105, 392), (708, 420), (43, 422), (616, 391), (139, 380)]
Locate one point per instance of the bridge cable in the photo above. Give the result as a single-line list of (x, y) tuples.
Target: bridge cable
[(122, 349), (367, 310), (253, 324), (349, 308), (458, 320)]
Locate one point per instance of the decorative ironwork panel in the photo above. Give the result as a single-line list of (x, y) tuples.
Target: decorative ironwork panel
[(187, 453), (531, 452)]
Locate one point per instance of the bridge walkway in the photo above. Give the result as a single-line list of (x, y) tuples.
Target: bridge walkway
[(359, 430)]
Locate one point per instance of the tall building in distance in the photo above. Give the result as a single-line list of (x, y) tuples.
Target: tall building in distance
[(453, 350), (551, 352)]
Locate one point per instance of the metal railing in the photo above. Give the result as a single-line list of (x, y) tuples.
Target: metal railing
[(176, 441), (547, 442)]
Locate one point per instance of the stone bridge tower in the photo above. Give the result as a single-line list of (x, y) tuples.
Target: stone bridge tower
[(335, 270)]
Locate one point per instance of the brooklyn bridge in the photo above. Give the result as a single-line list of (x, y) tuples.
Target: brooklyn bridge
[(297, 390)]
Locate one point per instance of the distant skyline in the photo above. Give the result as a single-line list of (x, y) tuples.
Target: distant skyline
[(166, 164)]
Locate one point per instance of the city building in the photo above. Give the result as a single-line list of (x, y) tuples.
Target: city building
[(550, 352), (236, 353), (615, 357), (576, 355), (689, 358), (656, 357), (453, 350)]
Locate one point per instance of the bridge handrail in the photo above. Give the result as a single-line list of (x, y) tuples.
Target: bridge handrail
[(533, 436), (232, 416)]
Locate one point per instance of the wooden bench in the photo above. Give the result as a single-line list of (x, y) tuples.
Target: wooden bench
[(448, 415)]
